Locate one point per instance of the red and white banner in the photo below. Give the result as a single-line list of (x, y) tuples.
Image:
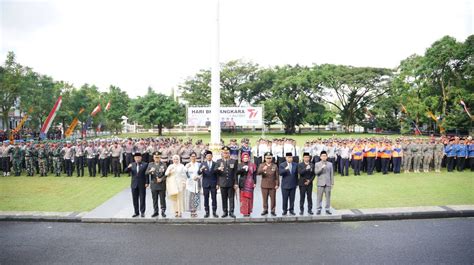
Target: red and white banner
[(229, 116), (96, 110), (49, 120)]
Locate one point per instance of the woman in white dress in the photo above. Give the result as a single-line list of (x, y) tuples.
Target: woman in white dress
[(193, 185), (176, 184)]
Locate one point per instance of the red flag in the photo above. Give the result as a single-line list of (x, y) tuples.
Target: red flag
[(465, 108), (96, 110), (108, 106), (49, 120)]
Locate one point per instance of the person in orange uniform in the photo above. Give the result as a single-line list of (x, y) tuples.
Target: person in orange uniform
[(371, 149), (386, 155), (357, 156), (397, 157)]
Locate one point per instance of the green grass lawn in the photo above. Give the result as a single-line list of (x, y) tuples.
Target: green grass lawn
[(399, 190), (57, 194)]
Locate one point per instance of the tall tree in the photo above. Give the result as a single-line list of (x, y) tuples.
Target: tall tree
[(156, 109), (119, 101), (11, 84), (351, 89)]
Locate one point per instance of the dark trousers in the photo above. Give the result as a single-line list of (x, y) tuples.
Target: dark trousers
[(460, 163), (306, 191), (258, 160), (344, 166), (338, 165), (316, 159), (6, 164), (333, 162), (68, 167), (161, 194), (116, 166), (227, 197), (378, 164), (370, 165), (213, 192), (128, 159), (91, 167), (139, 192), (79, 161), (104, 167), (288, 194), (471, 163), (272, 193), (397, 161), (385, 163), (357, 163), (450, 163)]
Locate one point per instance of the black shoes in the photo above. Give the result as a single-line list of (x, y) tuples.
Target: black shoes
[(264, 213), (274, 214), (232, 215), (155, 214), (163, 213), (284, 213), (318, 212), (310, 212), (292, 213), (135, 215), (301, 212), (328, 212), (142, 215), (206, 215), (215, 215), (224, 215)]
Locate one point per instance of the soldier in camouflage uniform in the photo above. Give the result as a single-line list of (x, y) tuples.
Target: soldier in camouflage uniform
[(17, 155), (30, 153), (427, 150), (56, 156), (49, 153), (438, 155), (42, 161), (407, 155), (416, 149)]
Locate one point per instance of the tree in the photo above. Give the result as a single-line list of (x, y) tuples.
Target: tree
[(11, 84), (354, 88), (319, 114), (235, 80), (119, 101), (288, 91), (156, 109)]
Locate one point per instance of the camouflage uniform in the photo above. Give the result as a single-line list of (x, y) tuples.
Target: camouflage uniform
[(417, 156), (56, 155), (438, 156), (427, 149), (42, 161), (407, 157), (17, 158), (30, 153)]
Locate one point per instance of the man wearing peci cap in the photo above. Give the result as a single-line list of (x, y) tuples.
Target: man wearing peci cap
[(139, 183), (208, 171), (324, 172), (305, 182), (289, 179)]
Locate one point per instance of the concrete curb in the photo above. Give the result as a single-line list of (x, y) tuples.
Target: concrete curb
[(352, 215)]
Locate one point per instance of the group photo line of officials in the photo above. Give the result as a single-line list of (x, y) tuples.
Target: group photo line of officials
[(183, 184)]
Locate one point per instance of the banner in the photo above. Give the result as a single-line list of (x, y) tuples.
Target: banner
[(107, 107), (96, 110), (51, 116), (229, 116)]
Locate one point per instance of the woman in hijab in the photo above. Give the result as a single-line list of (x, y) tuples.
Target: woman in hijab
[(176, 184), (247, 176)]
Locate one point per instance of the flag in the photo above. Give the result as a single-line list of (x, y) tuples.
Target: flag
[(108, 106), (465, 108), (96, 110), (73, 124), (404, 110), (49, 120), (437, 120)]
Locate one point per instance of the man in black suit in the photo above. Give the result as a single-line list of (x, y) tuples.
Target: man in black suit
[(156, 170), (140, 182), (305, 182), (209, 183), (289, 178), (226, 171)]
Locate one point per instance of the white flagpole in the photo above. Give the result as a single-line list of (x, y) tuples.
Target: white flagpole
[(215, 85)]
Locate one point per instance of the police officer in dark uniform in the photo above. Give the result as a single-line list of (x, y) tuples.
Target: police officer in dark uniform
[(226, 172)]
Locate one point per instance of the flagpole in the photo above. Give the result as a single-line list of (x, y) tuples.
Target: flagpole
[(215, 84)]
